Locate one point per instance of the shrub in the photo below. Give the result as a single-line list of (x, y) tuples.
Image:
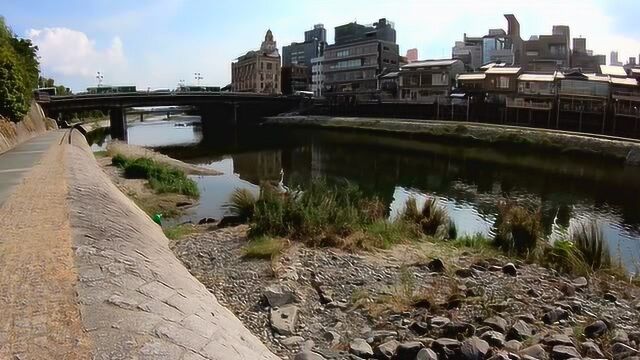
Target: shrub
[(162, 178), (517, 228), (565, 257), (242, 204), (118, 160), (589, 240), (430, 218)]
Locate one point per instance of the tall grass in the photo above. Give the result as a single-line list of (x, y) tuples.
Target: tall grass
[(242, 204), (590, 242), (430, 218), (162, 178), (517, 228), (264, 247)]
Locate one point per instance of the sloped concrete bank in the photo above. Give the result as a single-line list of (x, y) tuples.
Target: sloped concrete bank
[(618, 149), (33, 123), (136, 299)]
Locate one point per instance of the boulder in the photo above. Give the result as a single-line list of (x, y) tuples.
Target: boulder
[(455, 328), (496, 323), (557, 339), (595, 329), (387, 350), (513, 345), (610, 297), (519, 331), (419, 327), (438, 321), (562, 352), (474, 348), (465, 272), (426, 354), (510, 269), (283, 319), (555, 315), (580, 282), (308, 355), (361, 348), (278, 295), (535, 351), (445, 347), (591, 349), (494, 338), (331, 337), (620, 336), (436, 265), (408, 350), (622, 351)]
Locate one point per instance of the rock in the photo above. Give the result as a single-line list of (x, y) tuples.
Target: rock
[(426, 354), (387, 350), (465, 273), (283, 320), (496, 323), (519, 331), (408, 350), (331, 337), (337, 305), (533, 293), (580, 282), (494, 338), (513, 345), (535, 351), (206, 220), (454, 301), (230, 220), (619, 336), (379, 335), (278, 295), (292, 341), (439, 321), (528, 318), (419, 327), (445, 347), (595, 329), (500, 356), (567, 290), (326, 295), (453, 329), (436, 265), (590, 349), (189, 203), (308, 355), (359, 347), (474, 348), (610, 297), (510, 269), (562, 352), (557, 339), (555, 315), (622, 351), (308, 345)]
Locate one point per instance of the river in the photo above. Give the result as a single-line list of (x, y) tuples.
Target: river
[(469, 181)]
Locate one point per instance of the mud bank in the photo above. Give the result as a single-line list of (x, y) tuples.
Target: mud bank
[(34, 123), (137, 299), (618, 149)]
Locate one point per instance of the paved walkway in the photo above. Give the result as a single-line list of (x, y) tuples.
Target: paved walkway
[(85, 274)]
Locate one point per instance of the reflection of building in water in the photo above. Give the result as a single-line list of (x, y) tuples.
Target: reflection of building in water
[(258, 167), (296, 164)]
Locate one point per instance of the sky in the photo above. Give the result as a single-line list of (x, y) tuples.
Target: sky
[(157, 43)]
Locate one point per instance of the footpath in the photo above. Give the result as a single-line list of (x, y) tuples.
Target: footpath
[(85, 274)]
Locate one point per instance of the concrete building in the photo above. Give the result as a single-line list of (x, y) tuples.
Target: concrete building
[(294, 78), (613, 60), (427, 81), (497, 46), (258, 71), (583, 59), (580, 45), (317, 76), (300, 54), (361, 54), (549, 52), (412, 55)]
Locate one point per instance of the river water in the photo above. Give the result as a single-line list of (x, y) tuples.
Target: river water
[(469, 181)]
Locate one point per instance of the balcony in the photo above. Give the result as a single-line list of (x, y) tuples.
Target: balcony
[(529, 104)]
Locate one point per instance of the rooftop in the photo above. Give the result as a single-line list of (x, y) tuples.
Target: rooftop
[(624, 81), (472, 76), (537, 77), (428, 63), (503, 70), (613, 70)]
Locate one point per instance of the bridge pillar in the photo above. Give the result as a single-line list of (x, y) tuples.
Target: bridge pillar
[(118, 124)]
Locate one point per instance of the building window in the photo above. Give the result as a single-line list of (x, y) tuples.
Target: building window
[(269, 66), (503, 82), (262, 66), (439, 79), (342, 53)]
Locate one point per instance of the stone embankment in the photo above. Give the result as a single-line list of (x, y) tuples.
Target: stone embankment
[(425, 300), (619, 149), (34, 123)]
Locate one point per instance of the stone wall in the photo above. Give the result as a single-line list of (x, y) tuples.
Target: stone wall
[(34, 123)]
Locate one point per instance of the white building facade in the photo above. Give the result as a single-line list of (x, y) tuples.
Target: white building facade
[(317, 76)]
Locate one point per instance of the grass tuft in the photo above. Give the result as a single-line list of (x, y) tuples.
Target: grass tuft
[(517, 228), (476, 241), (242, 204), (179, 231), (590, 242), (264, 247), (431, 218), (162, 178)]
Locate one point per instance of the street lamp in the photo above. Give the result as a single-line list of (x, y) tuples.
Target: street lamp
[(99, 77), (198, 77)]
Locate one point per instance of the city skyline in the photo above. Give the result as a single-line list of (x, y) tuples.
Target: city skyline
[(157, 44)]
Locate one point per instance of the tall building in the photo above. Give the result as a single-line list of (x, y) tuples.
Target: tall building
[(258, 71), (583, 58), (580, 45), (360, 54), (497, 46), (613, 60), (300, 54), (317, 76), (549, 52), (412, 55)]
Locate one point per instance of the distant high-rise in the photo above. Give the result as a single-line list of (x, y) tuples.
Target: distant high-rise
[(613, 60), (298, 55), (632, 61), (412, 55), (580, 45), (583, 58), (549, 52), (318, 33)]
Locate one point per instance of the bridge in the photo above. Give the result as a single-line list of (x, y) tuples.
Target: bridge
[(228, 109)]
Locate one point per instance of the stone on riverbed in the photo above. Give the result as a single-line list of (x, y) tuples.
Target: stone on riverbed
[(283, 320)]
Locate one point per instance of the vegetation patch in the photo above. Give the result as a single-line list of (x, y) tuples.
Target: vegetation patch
[(517, 228), (162, 178), (179, 231), (432, 219), (264, 247)]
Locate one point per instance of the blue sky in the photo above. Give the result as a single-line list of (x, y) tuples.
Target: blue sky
[(157, 43)]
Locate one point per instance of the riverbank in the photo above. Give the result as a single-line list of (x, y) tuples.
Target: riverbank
[(444, 298), (33, 123), (618, 149)]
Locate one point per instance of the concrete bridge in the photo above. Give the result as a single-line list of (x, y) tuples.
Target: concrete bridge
[(216, 109)]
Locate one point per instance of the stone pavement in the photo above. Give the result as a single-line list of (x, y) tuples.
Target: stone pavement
[(85, 274)]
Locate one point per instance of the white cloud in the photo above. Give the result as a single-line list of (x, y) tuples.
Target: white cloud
[(72, 53)]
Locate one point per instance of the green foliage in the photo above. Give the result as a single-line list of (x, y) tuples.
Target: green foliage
[(242, 204), (264, 247), (476, 241), (430, 217), (517, 228), (162, 178), (179, 231), (19, 70), (384, 234), (589, 240), (565, 257)]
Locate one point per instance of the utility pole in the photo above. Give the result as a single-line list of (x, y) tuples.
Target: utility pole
[(99, 77), (198, 77)]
